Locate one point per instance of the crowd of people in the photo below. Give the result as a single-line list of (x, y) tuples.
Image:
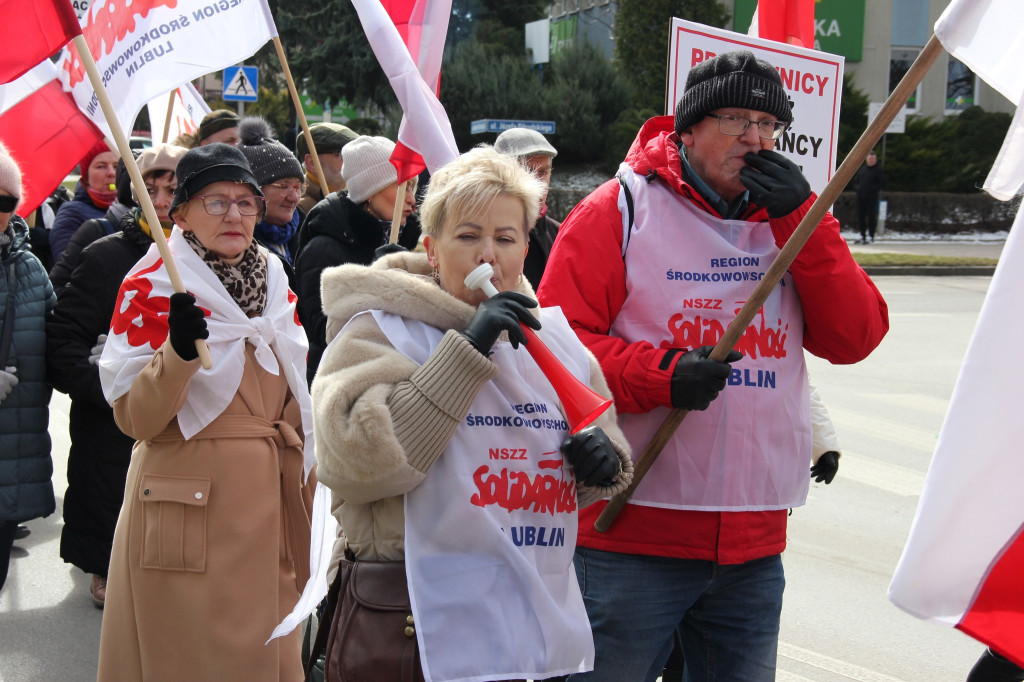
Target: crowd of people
[(341, 361)]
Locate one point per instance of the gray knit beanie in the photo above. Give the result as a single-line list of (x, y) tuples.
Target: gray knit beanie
[(734, 79), (269, 159), (366, 166), (10, 174)]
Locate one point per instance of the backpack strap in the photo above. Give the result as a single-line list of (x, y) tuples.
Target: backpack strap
[(627, 217)]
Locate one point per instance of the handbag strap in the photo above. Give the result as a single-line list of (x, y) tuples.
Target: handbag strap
[(8, 321), (323, 630)]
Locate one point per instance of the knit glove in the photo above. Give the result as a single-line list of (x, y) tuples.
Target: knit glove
[(97, 350), (382, 251), (501, 313), (7, 382), (185, 323), (697, 379), (592, 456), (774, 182), (824, 470)]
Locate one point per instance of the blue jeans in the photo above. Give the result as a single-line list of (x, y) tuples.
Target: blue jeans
[(727, 616)]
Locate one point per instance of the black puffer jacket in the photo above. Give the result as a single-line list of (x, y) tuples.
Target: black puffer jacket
[(336, 231), (90, 231), (25, 465), (100, 453)]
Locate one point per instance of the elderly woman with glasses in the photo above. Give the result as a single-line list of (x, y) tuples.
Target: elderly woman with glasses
[(211, 547)]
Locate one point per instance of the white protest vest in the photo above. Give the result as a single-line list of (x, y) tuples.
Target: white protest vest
[(490, 533), (687, 275)]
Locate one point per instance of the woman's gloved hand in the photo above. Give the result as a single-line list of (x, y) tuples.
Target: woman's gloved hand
[(592, 456), (774, 182), (185, 323), (501, 313), (697, 379), (97, 350), (386, 249), (824, 470)]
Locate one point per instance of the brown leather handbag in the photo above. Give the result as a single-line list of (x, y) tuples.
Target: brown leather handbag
[(372, 636)]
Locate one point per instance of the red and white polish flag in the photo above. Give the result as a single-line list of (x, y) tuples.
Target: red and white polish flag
[(44, 130), (963, 564), (408, 38), (35, 30), (784, 21)]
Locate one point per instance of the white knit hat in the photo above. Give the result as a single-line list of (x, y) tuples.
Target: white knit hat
[(366, 166), (10, 174)]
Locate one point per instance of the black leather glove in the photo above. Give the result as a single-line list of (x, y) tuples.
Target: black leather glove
[(592, 456), (389, 248), (774, 182), (501, 313), (697, 379), (185, 324), (824, 470)]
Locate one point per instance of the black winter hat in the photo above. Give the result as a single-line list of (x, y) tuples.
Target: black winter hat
[(216, 121), (734, 79), (269, 159), (123, 181), (206, 165)]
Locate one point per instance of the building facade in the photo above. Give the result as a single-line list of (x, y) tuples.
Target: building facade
[(878, 38)]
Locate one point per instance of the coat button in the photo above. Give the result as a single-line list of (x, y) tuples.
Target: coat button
[(146, 491), (408, 619), (199, 496), (410, 631)]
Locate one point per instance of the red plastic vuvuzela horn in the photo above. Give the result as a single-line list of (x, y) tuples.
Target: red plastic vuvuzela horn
[(582, 405)]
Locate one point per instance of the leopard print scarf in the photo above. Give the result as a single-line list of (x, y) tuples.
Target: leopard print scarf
[(246, 281)]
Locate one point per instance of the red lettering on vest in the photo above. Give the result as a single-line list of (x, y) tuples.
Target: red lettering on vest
[(758, 341), (514, 490)]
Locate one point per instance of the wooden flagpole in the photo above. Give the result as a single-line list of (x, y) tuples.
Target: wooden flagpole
[(396, 218), (167, 120), (302, 115), (781, 264), (140, 186)]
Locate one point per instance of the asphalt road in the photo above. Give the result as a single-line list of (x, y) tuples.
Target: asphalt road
[(844, 544)]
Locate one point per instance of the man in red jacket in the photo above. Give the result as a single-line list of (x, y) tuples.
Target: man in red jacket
[(650, 269)]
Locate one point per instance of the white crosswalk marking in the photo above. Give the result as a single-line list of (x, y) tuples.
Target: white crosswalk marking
[(892, 431), (892, 478)]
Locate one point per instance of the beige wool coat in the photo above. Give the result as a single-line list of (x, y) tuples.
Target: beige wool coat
[(212, 543)]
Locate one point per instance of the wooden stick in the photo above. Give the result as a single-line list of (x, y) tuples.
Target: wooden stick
[(302, 116), (140, 186), (396, 218), (167, 121), (781, 264)]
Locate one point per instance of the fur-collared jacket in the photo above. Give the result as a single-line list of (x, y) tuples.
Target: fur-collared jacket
[(381, 420)]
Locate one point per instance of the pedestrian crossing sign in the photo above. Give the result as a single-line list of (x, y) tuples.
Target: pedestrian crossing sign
[(241, 84)]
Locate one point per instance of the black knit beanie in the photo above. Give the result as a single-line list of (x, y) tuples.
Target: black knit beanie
[(269, 159), (734, 79)]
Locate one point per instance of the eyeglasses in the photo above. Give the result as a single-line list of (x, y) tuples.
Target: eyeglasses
[(284, 187), (219, 204), (7, 204), (737, 125)]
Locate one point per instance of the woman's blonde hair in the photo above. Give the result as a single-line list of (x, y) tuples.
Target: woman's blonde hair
[(466, 187)]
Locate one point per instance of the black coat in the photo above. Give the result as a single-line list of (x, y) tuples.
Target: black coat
[(542, 236), (335, 232), (100, 453), (90, 231)]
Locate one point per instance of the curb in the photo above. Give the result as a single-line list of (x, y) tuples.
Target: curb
[(931, 270)]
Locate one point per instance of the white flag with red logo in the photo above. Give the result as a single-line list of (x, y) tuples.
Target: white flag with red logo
[(964, 560), (413, 67), (146, 48), (186, 113), (45, 132), (139, 327)]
